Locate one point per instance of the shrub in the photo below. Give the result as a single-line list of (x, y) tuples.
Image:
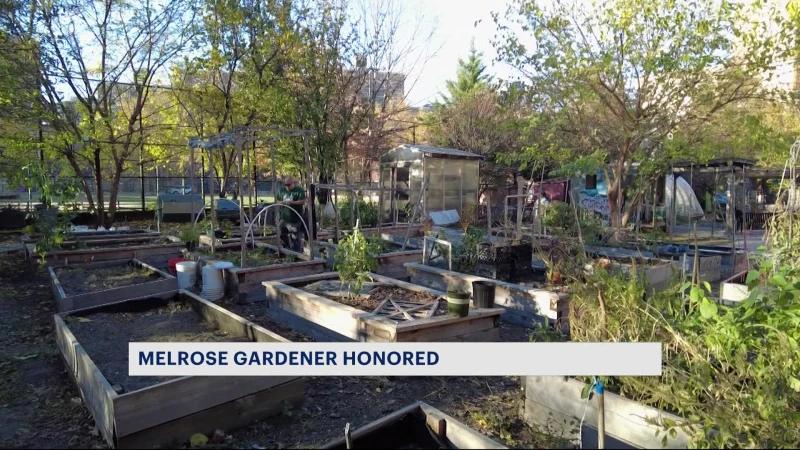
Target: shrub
[(366, 213), (731, 372)]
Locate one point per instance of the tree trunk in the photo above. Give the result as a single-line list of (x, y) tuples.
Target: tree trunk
[(86, 190), (112, 199), (98, 178)]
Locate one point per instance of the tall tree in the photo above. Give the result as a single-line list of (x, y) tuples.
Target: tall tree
[(109, 55), (617, 78), (471, 77)]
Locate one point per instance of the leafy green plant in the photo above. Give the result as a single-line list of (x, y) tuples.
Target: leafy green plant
[(55, 194), (356, 257), (730, 372), (366, 214), (189, 234), (466, 253)]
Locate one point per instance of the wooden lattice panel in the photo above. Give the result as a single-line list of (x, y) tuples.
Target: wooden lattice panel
[(403, 310)]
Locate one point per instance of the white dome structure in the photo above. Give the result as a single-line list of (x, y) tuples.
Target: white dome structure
[(687, 205)]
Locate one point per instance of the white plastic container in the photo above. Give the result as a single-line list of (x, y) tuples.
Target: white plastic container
[(213, 283), (187, 274)]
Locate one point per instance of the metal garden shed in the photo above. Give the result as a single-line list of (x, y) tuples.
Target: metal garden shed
[(453, 178)]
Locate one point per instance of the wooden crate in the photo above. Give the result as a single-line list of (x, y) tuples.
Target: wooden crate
[(174, 410), (328, 320), (449, 431), (165, 287), (157, 254)]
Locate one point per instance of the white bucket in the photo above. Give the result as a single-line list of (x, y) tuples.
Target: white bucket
[(213, 284), (187, 274)]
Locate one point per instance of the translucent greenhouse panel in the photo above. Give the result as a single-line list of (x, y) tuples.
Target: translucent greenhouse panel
[(452, 184), (415, 182), (470, 183), (434, 171)]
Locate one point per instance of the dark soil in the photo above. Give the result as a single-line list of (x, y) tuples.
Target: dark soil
[(105, 337), (254, 258), (257, 313), (80, 280), (39, 405), (41, 408)]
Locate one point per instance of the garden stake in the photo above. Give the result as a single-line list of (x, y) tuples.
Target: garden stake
[(601, 417), (347, 439)]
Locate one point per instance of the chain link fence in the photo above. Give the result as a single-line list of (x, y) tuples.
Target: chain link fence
[(141, 193)]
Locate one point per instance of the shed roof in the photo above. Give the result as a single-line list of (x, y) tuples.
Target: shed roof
[(402, 151)]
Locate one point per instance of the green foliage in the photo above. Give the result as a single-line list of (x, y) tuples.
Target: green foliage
[(559, 219), (189, 234), (471, 77), (366, 214), (466, 252), (54, 194), (627, 75), (356, 257), (731, 372)]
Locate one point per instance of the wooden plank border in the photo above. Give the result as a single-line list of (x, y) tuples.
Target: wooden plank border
[(85, 256), (165, 287), (166, 412), (459, 435)]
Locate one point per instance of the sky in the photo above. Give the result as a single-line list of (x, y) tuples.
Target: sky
[(454, 28)]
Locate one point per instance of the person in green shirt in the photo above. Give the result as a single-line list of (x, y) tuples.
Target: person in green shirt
[(293, 196)]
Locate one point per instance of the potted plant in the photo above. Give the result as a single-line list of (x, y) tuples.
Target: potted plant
[(457, 300), (191, 237)]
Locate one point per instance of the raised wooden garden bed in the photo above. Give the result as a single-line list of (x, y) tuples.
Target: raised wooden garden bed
[(244, 284), (416, 426), (142, 412), (156, 255), (523, 305), (390, 261), (554, 405), (659, 274), (89, 285), (330, 320), (96, 237), (205, 240)]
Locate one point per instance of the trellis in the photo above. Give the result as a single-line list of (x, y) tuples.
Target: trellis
[(239, 137)]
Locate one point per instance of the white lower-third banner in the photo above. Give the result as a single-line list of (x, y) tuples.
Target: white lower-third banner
[(394, 359)]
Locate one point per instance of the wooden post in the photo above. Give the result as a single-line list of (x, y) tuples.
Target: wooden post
[(488, 213), (414, 212), (520, 206), (310, 224), (380, 208), (335, 211), (191, 184), (242, 236), (213, 209), (277, 211)]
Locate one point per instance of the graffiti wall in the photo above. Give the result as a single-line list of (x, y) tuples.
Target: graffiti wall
[(597, 204)]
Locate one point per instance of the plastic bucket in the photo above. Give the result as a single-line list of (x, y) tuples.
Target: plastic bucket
[(458, 304), (483, 294), (213, 284), (172, 263), (187, 274)]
